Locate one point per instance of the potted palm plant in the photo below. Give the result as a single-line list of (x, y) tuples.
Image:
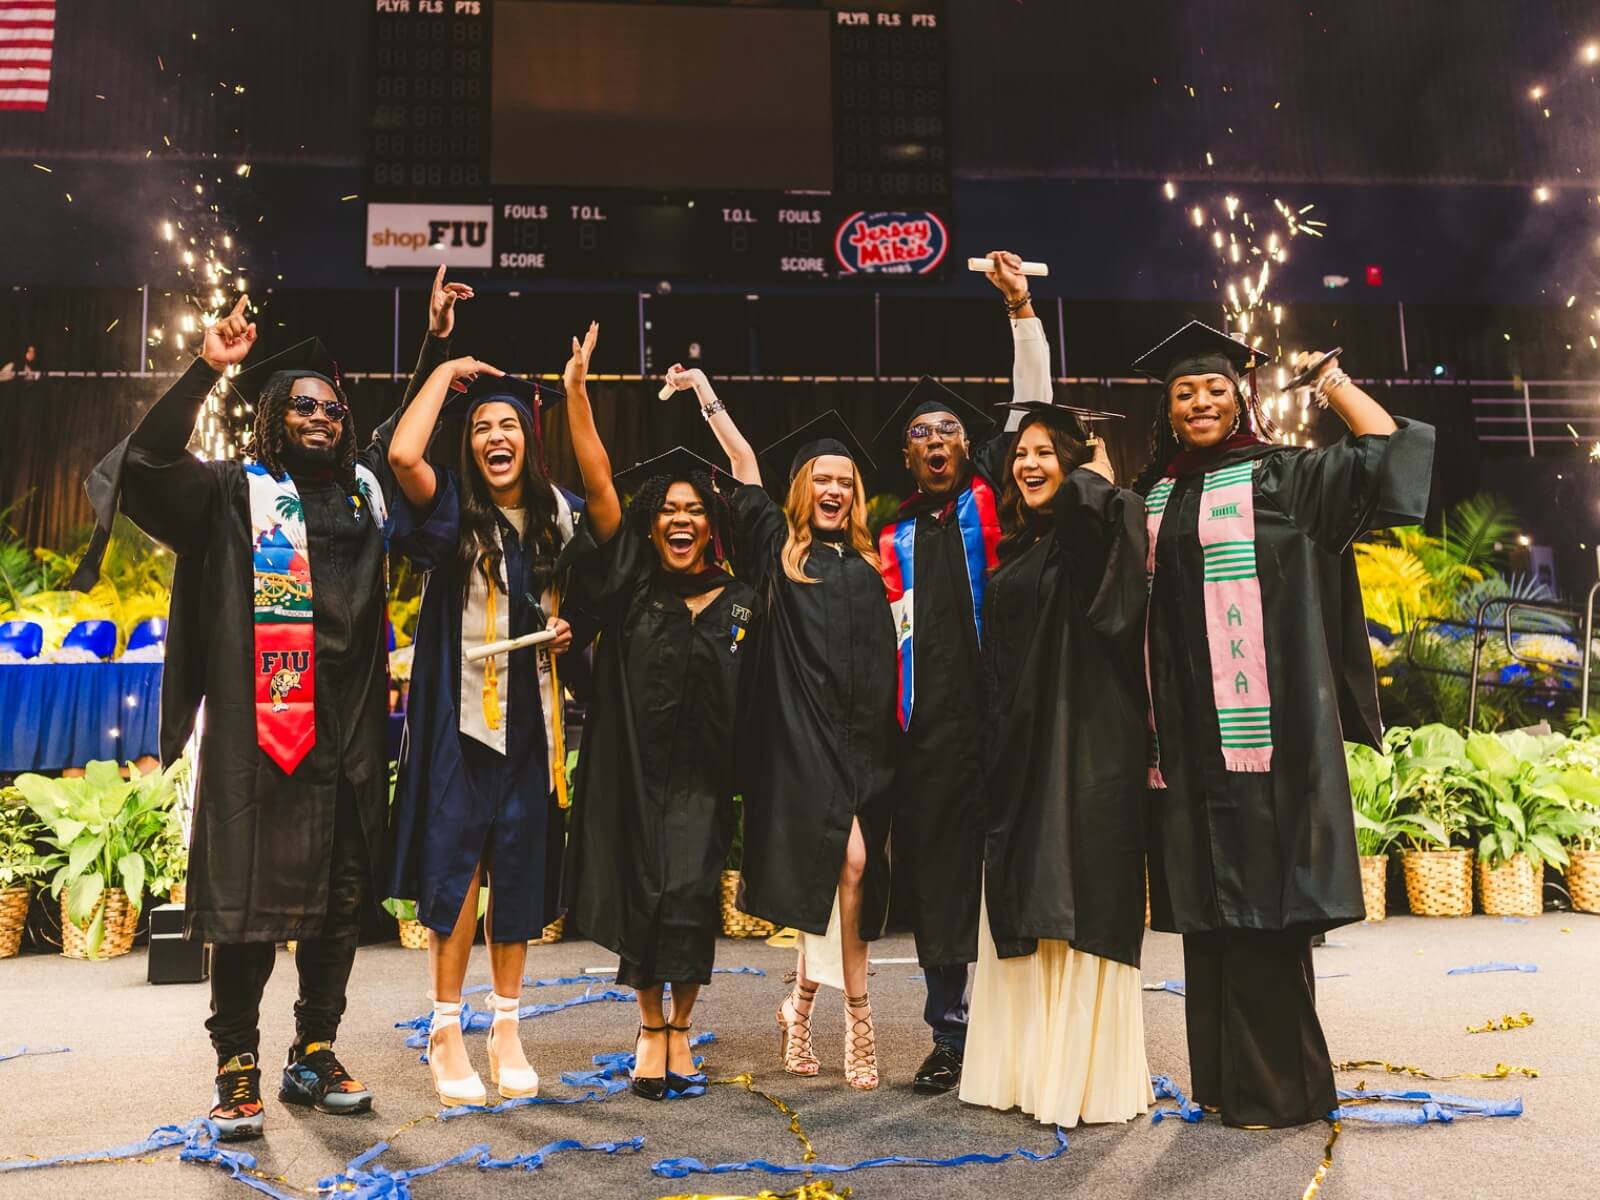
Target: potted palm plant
[(21, 865), (1433, 779), (1521, 818), (105, 829)]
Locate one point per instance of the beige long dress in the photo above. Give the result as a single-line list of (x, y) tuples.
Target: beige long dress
[(1058, 1034)]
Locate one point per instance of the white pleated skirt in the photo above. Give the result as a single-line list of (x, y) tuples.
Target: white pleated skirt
[(1058, 1034)]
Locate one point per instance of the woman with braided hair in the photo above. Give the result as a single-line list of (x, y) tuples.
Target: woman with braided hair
[(653, 794), (1258, 668)]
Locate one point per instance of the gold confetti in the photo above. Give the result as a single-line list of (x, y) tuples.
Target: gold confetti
[(1520, 1021)]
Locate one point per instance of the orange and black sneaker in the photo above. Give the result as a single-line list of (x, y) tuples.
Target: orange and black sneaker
[(314, 1077), (237, 1111)]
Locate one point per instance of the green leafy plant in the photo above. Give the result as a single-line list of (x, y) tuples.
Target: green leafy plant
[(105, 831), (1524, 805), (21, 864), (1433, 784)]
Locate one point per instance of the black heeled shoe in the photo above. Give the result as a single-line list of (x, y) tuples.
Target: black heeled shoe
[(651, 1087), (684, 1085)]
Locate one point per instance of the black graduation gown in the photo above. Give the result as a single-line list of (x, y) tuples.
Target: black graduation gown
[(261, 841), (457, 800), (821, 745), (655, 777), (938, 832), (1063, 619), (1273, 850)]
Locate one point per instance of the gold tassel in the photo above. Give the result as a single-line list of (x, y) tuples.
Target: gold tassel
[(492, 715)]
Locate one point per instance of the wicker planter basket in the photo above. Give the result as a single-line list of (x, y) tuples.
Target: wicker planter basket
[(1583, 879), (178, 894), (551, 934), (1374, 883), (121, 920), (735, 923), (1513, 889), (1438, 882), (413, 935), (13, 911)]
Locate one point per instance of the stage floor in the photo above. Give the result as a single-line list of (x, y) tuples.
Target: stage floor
[(139, 1059)]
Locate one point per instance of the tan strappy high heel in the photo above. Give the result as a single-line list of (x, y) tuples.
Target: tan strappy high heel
[(860, 1045), (794, 1032)]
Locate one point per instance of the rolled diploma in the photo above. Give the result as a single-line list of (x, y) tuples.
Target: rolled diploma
[(667, 392), (490, 650), (1028, 268)]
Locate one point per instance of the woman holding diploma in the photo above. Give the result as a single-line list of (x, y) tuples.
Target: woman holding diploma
[(482, 779)]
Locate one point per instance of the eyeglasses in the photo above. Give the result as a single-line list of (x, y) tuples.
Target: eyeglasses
[(923, 430), (336, 410)]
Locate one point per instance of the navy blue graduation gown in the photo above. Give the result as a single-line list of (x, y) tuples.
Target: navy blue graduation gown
[(457, 801)]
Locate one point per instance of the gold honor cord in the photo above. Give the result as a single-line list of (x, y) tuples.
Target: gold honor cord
[(1520, 1021), (491, 672), (558, 717)]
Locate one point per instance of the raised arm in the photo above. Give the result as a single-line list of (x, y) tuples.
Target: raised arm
[(741, 458), (408, 447), (1030, 367), (602, 509), (1359, 411)]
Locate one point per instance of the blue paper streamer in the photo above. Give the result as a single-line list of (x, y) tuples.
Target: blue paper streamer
[(680, 1168), (1336, 975), (1187, 1110), (1482, 968), (28, 1051), (610, 1075), (569, 980), (1514, 920), (1428, 1107), (472, 1019), (1175, 986)]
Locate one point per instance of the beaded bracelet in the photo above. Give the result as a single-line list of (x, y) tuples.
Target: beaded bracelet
[(1335, 379), (1013, 307)]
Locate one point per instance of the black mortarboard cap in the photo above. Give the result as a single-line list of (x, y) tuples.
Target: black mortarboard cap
[(304, 360), (929, 395), (531, 396), (678, 463), (1076, 420), (827, 434), (1198, 349)]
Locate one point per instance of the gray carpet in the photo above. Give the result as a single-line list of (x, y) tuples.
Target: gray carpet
[(139, 1059)]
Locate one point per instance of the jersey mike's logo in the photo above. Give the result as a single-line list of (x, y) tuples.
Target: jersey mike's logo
[(891, 243)]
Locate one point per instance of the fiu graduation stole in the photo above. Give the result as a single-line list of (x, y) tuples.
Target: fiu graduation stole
[(978, 517), (284, 662), (1235, 633)]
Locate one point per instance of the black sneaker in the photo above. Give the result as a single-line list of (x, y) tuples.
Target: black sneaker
[(312, 1076), (236, 1108)]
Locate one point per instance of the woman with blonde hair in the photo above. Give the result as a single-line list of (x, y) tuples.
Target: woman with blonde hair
[(816, 782)]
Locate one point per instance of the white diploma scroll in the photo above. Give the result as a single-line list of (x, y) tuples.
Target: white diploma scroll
[(491, 649), (985, 265)]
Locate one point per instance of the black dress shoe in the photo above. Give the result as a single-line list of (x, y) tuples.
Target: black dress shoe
[(650, 1087), (939, 1072)]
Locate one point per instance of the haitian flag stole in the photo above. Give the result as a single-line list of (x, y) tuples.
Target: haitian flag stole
[(284, 662), (978, 517)]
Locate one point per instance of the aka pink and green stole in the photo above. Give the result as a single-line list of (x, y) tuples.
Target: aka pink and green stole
[(1235, 633), (978, 517)]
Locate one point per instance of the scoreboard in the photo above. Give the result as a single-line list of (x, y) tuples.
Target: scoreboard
[(431, 145)]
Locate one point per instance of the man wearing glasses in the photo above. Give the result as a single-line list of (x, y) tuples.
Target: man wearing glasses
[(936, 558), (278, 623)]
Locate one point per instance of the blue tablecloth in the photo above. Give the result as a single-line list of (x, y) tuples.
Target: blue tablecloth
[(59, 715)]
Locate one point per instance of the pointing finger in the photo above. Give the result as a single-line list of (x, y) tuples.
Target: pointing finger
[(238, 309), (438, 278)]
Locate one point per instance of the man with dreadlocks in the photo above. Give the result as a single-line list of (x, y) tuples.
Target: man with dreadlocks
[(278, 623)]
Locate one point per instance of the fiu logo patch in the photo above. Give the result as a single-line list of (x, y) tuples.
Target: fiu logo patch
[(741, 613), (286, 668)]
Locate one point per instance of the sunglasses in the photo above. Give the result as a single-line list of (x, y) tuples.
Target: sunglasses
[(336, 410), (923, 430)]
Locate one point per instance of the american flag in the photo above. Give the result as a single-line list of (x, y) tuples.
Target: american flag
[(27, 40)]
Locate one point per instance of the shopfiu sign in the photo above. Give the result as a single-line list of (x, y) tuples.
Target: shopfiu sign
[(890, 243)]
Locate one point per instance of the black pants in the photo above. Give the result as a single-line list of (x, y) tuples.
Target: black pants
[(945, 1010), (240, 970), (1256, 1049)]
